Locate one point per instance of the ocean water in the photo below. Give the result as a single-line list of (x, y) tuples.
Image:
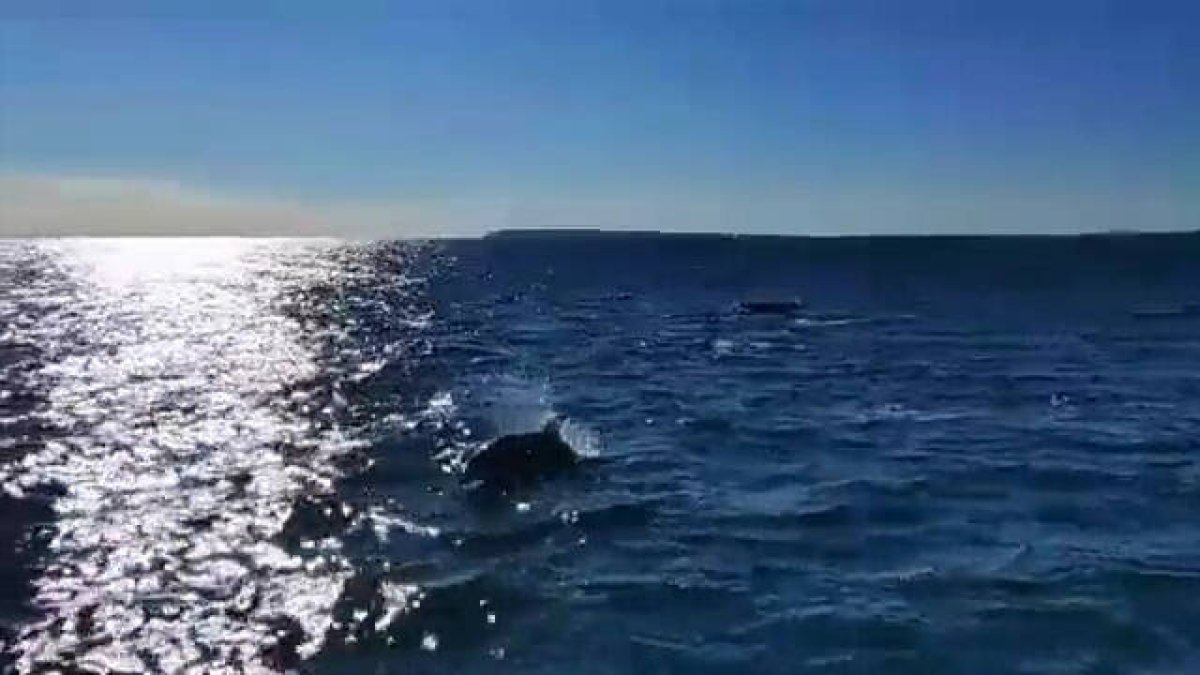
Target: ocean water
[(242, 456)]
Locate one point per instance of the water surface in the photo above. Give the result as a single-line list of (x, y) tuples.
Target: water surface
[(964, 455)]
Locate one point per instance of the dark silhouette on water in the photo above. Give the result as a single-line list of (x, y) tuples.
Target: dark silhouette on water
[(521, 460)]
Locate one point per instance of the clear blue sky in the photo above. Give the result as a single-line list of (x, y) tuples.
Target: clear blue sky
[(825, 116)]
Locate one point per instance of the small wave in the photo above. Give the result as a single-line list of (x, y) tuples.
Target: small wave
[(723, 347), (889, 412), (1182, 311), (814, 322)]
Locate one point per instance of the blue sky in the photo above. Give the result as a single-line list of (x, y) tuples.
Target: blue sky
[(821, 117)]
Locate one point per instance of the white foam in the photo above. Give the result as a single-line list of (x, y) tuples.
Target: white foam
[(582, 439)]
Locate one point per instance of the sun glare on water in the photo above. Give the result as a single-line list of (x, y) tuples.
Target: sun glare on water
[(169, 377)]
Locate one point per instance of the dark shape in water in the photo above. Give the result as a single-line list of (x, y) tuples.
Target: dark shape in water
[(315, 517), (281, 652), (770, 306), (521, 460)]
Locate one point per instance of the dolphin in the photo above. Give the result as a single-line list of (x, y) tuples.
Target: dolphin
[(521, 460)]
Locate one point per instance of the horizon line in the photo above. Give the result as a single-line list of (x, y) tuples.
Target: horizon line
[(588, 232)]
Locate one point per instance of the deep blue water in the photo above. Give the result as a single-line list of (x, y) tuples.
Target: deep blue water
[(962, 456)]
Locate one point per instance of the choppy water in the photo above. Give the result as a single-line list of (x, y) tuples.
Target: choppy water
[(965, 456)]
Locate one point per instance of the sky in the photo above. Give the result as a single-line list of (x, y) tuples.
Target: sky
[(374, 119)]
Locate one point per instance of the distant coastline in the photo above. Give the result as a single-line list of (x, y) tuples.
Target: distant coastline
[(598, 233), (544, 234)]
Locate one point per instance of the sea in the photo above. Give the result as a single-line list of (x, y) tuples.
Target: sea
[(796, 455)]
